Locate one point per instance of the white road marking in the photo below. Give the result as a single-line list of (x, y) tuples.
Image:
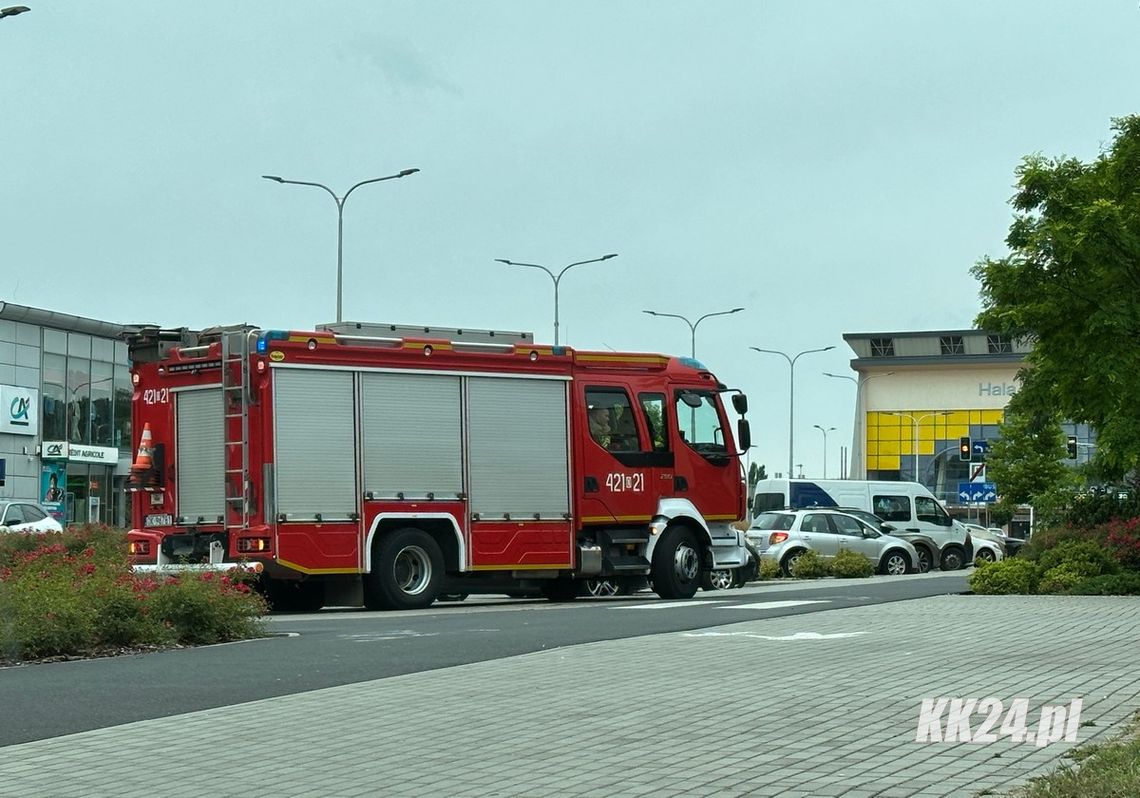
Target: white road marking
[(395, 634), (796, 636), (667, 605), (771, 605)]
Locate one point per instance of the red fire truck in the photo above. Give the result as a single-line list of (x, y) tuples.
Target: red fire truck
[(388, 465)]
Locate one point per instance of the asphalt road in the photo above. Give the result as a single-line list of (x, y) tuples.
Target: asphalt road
[(334, 647)]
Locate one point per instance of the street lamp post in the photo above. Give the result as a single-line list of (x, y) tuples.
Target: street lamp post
[(340, 221), (556, 278), (917, 422), (860, 415), (824, 431), (693, 324), (791, 391), (12, 11)]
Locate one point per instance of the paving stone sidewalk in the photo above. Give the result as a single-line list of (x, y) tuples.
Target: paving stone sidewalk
[(824, 704)]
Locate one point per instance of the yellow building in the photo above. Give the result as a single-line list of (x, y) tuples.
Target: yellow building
[(919, 394)]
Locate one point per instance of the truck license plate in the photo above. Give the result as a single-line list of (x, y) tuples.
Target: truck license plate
[(158, 520)]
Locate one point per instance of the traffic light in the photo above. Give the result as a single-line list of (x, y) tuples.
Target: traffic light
[(965, 452), (1072, 447)]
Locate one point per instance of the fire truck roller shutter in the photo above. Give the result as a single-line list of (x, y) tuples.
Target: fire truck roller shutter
[(413, 438), (315, 444), (201, 459), (518, 435)]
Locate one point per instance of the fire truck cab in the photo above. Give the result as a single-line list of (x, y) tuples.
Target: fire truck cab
[(385, 466)]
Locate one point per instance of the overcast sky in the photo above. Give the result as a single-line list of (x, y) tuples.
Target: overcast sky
[(833, 167)]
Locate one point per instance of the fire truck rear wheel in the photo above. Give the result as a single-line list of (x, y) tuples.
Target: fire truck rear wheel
[(676, 565), (407, 569)]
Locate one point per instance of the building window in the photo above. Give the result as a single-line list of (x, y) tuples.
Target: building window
[(79, 399), (882, 347), (102, 376), (122, 409), (951, 345), (998, 344), (55, 397)]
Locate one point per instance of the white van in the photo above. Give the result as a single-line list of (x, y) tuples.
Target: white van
[(908, 507)]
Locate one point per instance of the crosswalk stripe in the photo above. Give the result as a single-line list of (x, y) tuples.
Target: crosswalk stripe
[(771, 605), (667, 605)]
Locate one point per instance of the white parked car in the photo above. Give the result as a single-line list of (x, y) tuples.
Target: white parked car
[(988, 545), (782, 536), (19, 515)]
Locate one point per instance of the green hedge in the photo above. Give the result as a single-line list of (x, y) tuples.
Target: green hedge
[(810, 566), (1125, 584), (851, 565), (1072, 565), (1014, 575), (74, 594), (769, 569)]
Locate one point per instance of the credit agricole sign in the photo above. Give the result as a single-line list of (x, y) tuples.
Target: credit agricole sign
[(77, 452)]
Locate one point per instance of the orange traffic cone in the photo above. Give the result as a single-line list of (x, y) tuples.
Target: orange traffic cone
[(142, 471)]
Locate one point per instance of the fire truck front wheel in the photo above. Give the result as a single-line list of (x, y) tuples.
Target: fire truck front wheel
[(676, 565), (407, 568)]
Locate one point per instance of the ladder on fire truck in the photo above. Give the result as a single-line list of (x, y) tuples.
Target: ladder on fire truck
[(236, 398)]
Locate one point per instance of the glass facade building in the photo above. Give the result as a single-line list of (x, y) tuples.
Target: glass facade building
[(73, 454), (920, 393)]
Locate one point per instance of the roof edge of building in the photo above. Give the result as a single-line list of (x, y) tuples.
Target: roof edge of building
[(60, 321)]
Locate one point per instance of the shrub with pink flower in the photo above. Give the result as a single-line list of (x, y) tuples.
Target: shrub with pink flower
[(74, 593)]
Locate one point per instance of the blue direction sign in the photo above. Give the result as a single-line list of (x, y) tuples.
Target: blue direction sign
[(981, 447), (977, 491)]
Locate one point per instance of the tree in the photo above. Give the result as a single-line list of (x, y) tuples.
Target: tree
[(755, 474), (1026, 461), (1070, 285)]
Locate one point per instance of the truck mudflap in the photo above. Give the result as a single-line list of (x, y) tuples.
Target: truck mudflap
[(729, 548)]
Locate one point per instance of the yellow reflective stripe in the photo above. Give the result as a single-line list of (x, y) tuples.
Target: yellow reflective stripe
[(595, 519), (552, 567), (305, 570)]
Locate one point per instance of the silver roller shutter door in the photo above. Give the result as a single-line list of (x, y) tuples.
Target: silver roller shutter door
[(413, 440), (315, 444), (518, 447), (200, 455)]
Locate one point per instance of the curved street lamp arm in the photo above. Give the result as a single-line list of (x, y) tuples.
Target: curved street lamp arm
[(581, 262), (718, 313), (672, 316), (277, 179), (773, 352), (528, 265), (809, 351), (402, 173)]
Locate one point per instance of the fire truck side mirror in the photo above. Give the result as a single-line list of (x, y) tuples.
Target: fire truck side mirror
[(743, 435), (740, 403)]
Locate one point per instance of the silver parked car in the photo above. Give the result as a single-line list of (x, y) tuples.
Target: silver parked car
[(782, 536), (929, 554)]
